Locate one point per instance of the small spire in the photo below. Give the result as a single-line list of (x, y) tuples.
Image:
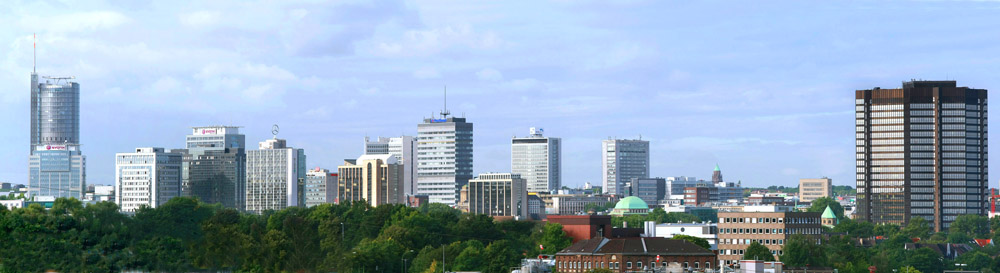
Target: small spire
[(717, 167)]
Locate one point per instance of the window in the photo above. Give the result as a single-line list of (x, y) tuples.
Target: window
[(638, 264), (685, 264), (628, 265)]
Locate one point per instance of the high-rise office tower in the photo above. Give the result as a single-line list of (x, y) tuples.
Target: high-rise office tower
[(444, 155), (404, 148), (320, 187), (275, 174), (376, 179), (622, 160), (538, 160), (921, 152), (214, 166), (56, 167), (147, 177)]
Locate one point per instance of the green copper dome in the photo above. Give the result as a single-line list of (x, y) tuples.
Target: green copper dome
[(828, 213), (631, 202)]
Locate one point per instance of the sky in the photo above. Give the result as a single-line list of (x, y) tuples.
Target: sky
[(764, 89)]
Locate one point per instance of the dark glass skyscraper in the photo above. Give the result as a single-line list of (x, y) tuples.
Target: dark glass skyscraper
[(921, 152), (56, 167), (214, 166)]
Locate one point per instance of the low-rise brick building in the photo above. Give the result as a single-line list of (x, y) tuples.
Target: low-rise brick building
[(633, 254)]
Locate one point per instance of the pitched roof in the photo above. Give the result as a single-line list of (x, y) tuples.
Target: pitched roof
[(636, 246), (828, 213)]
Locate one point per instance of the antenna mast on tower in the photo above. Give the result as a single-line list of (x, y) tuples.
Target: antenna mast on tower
[(445, 112), (34, 54)]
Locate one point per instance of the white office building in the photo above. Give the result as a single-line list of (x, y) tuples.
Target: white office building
[(404, 148), (147, 177), (538, 160), (274, 173), (622, 160), (704, 230), (444, 158)]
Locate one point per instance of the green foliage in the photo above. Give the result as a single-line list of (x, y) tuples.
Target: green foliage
[(820, 204), (757, 251), (853, 228), (908, 269), (918, 227), (185, 235), (698, 241), (658, 215), (800, 250), (598, 207), (600, 270), (554, 239), (974, 226), (925, 260), (974, 260)]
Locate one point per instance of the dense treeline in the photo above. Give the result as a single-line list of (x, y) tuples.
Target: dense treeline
[(186, 235), (842, 250)]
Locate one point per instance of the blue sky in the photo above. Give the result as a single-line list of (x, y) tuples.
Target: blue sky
[(763, 88)]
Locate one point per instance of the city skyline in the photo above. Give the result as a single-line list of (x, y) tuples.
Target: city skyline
[(769, 102)]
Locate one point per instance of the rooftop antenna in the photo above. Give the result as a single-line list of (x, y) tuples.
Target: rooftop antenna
[(445, 113), (34, 54)]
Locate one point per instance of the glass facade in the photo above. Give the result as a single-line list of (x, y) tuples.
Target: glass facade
[(56, 167), (623, 159), (537, 160), (921, 152), (214, 166)]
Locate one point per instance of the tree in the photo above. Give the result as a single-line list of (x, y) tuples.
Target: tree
[(885, 230), (908, 269), (854, 228), (925, 260), (501, 255), (974, 260), (554, 239), (972, 225), (757, 251), (918, 227), (695, 240), (600, 270), (820, 204), (800, 250)]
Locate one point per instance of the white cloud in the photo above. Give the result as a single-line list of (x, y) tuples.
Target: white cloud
[(523, 84), (489, 74), (620, 54), (426, 73), (430, 41), (75, 22), (200, 18)]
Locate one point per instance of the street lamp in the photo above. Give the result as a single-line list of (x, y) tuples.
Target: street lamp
[(341, 232), (405, 259)]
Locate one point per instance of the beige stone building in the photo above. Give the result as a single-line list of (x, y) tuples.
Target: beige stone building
[(376, 179), (813, 188), (737, 230)]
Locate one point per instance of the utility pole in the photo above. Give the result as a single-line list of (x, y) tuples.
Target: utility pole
[(341, 232)]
